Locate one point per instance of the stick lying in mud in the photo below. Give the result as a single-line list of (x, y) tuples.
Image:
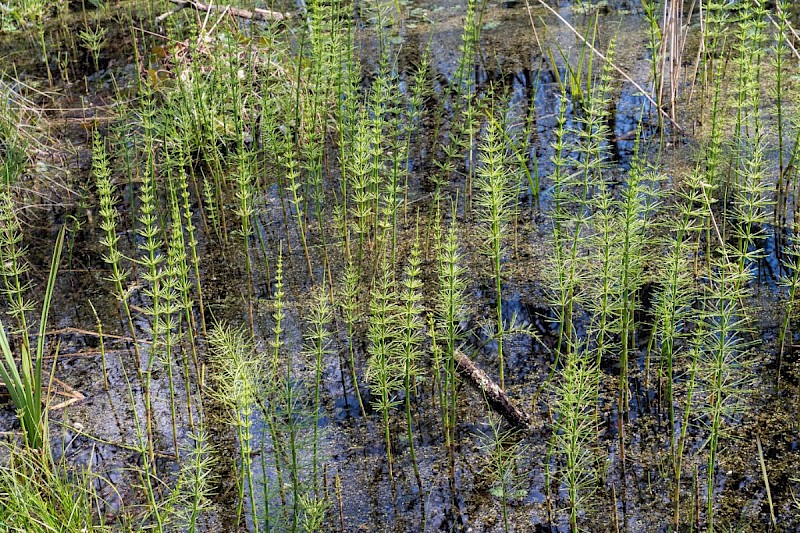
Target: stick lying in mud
[(257, 14), (496, 397)]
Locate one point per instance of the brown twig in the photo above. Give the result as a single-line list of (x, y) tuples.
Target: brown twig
[(497, 398), (256, 14)]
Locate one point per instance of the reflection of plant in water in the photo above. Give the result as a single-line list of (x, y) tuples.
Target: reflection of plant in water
[(588, 7)]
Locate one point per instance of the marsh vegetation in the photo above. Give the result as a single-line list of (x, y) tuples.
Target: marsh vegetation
[(266, 267)]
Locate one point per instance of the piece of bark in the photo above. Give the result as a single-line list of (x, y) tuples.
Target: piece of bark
[(497, 398), (257, 14)]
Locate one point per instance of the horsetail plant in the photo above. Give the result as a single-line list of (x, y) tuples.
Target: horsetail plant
[(565, 272), (200, 477), (503, 455), (676, 294), (348, 302), (285, 388), (326, 49), (359, 174), (712, 173), (411, 338), (715, 36), (592, 130), (151, 259), (397, 181), (235, 371), (293, 111), (14, 267), (750, 38), (605, 304), (462, 136), (751, 206), (314, 510), (420, 91), (448, 332), (211, 208), (377, 123), (119, 275), (573, 194), (654, 47), (273, 387), (272, 140), (245, 211), (172, 303), (638, 203), (291, 167), (108, 223), (692, 384), (747, 132), (574, 207), (780, 50), (574, 432), (495, 201), (385, 369), (176, 287), (317, 345), (722, 363), (347, 120), (191, 242), (312, 163)]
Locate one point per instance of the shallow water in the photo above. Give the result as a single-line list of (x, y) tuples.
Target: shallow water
[(98, 431)]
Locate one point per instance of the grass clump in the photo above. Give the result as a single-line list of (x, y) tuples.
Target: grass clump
[(24, 381), (40, 496)]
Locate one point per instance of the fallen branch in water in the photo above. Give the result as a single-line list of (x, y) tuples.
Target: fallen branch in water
[(257, 14), (497, 398)]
